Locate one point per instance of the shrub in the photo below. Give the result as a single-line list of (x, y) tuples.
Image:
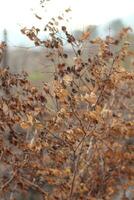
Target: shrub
[(74, 147)]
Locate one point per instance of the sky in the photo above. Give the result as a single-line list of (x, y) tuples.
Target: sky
[(15, 14)]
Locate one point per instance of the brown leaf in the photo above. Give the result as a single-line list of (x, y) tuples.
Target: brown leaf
[(24, 125), (85, 36), (5, 108)]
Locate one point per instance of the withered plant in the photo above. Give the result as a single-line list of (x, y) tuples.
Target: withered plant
[(72, 139)]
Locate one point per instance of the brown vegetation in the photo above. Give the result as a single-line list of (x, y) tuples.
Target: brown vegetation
[(69, 140)]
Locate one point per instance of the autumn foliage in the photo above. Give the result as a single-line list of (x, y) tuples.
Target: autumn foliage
[(79, 145)]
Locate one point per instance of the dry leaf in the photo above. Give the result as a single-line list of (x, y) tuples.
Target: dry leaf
[(85, 36), (68, 79), (24, 125)]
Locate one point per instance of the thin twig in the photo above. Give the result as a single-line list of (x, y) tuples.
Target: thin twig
[(9, 181), (28, 182), (75, 173)]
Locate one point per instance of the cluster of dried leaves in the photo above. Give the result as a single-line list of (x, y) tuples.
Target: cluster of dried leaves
[(76, 147)]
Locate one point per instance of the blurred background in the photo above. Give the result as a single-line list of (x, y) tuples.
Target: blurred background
[(104, 18)]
